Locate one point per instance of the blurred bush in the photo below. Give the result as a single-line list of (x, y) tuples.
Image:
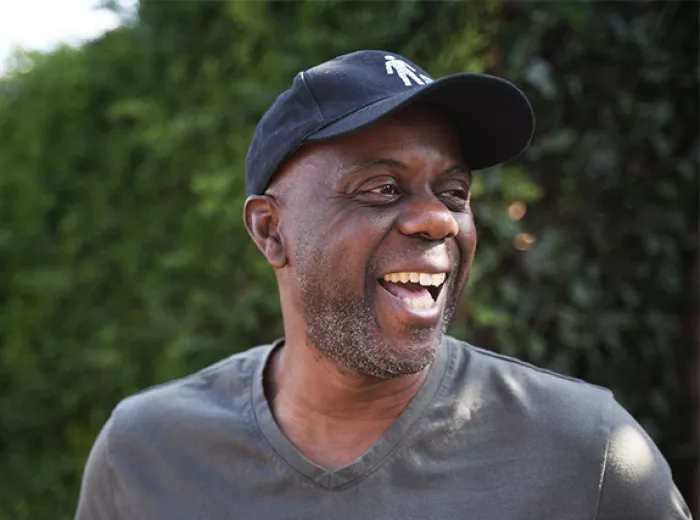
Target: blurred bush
[(124, 261), (607, 290)]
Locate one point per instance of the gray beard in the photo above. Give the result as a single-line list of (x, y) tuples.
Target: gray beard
[(345, 330)]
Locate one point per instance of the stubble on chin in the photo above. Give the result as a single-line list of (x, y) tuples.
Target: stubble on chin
[(346, 331)]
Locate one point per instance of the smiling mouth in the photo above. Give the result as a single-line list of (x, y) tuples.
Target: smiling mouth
[(416, 290)]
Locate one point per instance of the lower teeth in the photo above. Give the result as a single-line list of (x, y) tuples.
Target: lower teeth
[(418, 304)]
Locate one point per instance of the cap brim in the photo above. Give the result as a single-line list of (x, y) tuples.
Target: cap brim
[(493, 117)]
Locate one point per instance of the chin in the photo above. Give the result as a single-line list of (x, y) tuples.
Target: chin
[(400, 357)]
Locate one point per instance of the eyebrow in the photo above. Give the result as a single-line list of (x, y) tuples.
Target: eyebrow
[(393, 163), (379, 161), (459, 169)]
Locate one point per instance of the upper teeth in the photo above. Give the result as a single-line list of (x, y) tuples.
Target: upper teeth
[(425, 279)]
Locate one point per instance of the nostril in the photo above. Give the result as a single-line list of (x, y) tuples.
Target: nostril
[(429, 220)]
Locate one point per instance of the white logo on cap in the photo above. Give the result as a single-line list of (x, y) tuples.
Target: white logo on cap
[(405, 72)]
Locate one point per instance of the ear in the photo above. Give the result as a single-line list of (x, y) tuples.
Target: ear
[(260, 214)]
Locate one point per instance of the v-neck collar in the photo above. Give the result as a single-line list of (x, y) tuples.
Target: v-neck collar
[(368, 461)]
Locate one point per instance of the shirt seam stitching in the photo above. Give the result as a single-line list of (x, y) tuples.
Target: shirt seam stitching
[(523, 364), (259, 433), (212, 369), (256, 428), (601, 481), (408, 431)]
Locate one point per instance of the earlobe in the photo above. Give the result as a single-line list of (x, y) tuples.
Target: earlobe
[(260, 214)]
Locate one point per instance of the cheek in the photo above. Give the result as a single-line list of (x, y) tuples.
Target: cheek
[(338, 246), (467, 234), (466, 241)]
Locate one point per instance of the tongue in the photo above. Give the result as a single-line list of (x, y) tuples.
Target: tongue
[(407, 290)]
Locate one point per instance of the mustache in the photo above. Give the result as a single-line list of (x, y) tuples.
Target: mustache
[(417, 251)]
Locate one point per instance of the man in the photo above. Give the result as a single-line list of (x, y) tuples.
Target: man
[(359, 198)]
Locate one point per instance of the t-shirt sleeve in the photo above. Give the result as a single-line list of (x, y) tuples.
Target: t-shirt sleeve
[(637, 483), (96, 501)]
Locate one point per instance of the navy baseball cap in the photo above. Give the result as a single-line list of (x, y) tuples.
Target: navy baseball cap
[(493, 118)]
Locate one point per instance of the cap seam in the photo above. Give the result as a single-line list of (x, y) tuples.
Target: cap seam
[(313, 96), (345, 114)]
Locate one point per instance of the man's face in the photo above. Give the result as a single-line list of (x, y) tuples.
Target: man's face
[(362, 214)]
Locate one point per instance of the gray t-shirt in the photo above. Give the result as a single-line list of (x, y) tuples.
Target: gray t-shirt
[(486, 437)]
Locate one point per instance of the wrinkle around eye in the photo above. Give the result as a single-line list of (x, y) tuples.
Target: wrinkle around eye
[(370, 191), (455, 202), (377, 181)]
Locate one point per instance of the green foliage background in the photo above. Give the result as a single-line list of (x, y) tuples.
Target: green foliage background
[(124, 262)]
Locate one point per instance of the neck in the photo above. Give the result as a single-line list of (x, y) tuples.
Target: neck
[(331, 416), (302, 382)]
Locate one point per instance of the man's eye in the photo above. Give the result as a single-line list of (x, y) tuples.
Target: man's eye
[(457, 194), (386, 190), (456, 198)]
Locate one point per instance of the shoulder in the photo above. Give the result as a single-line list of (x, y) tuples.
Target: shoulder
[(206, 396), (150, 432), (96, 499), (534, 404), (637, 482), (582, 421), (530, 386)]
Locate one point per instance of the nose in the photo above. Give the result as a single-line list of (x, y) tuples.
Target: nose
[(427, 218)]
